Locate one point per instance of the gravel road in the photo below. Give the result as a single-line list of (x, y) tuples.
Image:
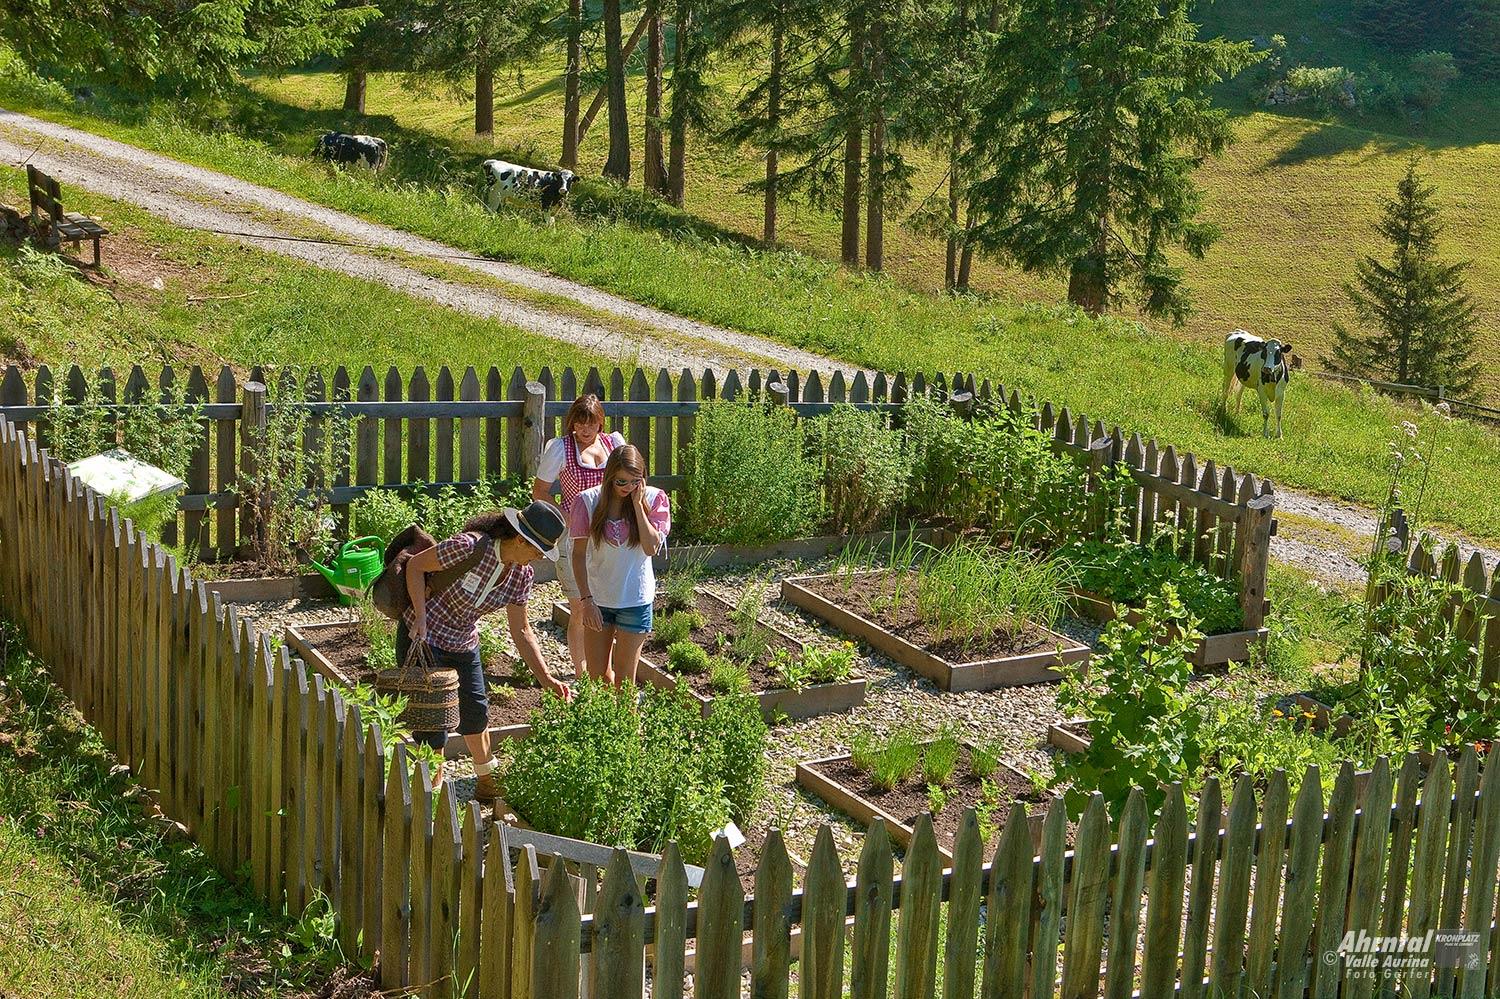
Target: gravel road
[(197, 198)]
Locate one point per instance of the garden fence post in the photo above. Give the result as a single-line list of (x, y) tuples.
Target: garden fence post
[(252, 439), (533, 420), (1101, 453), (778, 393), (962, 404), (1256, 527)]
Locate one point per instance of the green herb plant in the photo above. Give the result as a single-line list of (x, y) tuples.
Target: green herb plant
[(750, 476)]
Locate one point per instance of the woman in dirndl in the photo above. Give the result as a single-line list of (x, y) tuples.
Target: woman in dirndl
[(571, 464)]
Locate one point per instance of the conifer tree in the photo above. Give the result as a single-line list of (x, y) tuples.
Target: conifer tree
[(1415, 320)]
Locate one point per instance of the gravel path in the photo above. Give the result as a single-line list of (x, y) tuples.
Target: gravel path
[(197, 198), (182, 193)]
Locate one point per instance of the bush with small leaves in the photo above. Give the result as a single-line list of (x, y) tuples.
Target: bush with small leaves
[(687, 659)]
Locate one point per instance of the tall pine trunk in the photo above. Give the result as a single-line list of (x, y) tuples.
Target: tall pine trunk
[(955, 155), (1088, 277), (966, 257), (484, 94), (654, 170), (355, 82), (875, 198), (773, 125), (571, 85), (853, 139), (683, 72), (617, 165)]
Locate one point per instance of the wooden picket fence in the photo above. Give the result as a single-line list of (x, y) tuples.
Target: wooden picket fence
[(463, 429), (273, 773)]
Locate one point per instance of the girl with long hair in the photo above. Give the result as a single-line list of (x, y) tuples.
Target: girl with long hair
[(616, 528)]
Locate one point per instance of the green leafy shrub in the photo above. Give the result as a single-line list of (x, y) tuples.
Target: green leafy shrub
[(442, 512), (601, 770), (726, 677), (829, 665), (676, 626), (866, 466), (1126, 573), (1146, 721), (381, 512), (749, 476), (687, 658), (679, 584)]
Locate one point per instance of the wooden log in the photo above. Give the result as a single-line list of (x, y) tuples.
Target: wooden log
[(420, 962), (1480, 906), (468, 429), (494, 427), (395, 923), (447, 866), (523, 925), (1371, 835), (1164, 901)]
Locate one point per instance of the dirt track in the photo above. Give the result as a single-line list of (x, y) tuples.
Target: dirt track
[(1326, 537)]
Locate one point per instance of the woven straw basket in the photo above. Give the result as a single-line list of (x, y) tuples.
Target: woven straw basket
[(431, 691)]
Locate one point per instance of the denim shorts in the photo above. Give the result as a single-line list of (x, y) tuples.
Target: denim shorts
[(636, 620)]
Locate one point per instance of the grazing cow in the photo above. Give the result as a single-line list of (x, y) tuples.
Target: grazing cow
[(338, 147), (1262, 366), (502, 178)]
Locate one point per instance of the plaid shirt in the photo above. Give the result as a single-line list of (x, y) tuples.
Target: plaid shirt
[(453, 615)]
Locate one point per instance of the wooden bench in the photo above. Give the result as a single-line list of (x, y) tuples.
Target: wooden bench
[(50, 221)]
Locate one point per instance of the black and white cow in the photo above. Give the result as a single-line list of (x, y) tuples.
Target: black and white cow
[(501, 179), (339, 147), (1263, 367)]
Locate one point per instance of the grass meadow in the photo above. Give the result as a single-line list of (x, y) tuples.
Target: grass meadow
[(1338, 441)]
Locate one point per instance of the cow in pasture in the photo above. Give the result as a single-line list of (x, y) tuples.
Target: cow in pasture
[(338, 147), (502, 178), (1262, 366)]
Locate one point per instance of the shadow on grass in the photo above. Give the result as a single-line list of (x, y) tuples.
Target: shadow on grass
[(61, 786)]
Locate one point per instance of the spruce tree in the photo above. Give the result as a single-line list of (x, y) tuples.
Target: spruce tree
[(1415, 320), (1096, 114)]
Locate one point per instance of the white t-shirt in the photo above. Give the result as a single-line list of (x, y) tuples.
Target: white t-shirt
[(555, 456), (620, 574)]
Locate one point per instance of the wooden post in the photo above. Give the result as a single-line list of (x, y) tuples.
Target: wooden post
[(252, 439), (962, 404), (778, 393), (1101, 453), (1256, 529), (534, 409)]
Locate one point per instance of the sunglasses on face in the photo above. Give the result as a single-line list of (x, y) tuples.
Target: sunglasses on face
[(627, 483)]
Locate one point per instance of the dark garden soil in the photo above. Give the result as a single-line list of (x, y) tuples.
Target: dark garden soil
[(908, 802), (1078, 728), (242, 570), (719, 629), (511, 703), (870, 595)]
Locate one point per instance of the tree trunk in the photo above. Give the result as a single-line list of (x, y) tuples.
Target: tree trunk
[(355, 82), (654, 170), (484, 96), (966, 258), (570, 85), (683, 55), (773, 123), (598, 101), (955, 153), (875, 199), (853, 136), (618, 163), (1088, 278)]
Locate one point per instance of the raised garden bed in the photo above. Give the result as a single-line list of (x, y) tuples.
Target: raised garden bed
[(1213, 650), (1070, 736), (836, 780), (1037, 655), (337, 652), (766, 685), (252, 586)]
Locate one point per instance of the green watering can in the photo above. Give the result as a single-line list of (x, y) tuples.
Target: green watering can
[(357, 565)]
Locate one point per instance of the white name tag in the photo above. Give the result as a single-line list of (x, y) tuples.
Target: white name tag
[(473, 581)]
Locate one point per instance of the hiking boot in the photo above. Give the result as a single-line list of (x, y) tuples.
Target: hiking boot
[(486, 787)]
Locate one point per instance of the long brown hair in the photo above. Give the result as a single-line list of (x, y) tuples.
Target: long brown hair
[(585, 409), (624, 458)]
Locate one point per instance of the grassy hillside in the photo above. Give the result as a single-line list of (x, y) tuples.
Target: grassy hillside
[(1296, 199), (172, 296), (1337, 443)]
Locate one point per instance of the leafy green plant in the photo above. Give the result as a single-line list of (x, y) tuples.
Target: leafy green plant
[(383, 513), (380, 634), (941, 758), (727, 677), (604, 770), (866, 466), (687, 658), (834, 665), (937, 798), (971, 590), (890, 762), (749, 476), (676, 626), (1145, 719), (751, 640), (679, 584), (984, 760), (1125, 573)]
